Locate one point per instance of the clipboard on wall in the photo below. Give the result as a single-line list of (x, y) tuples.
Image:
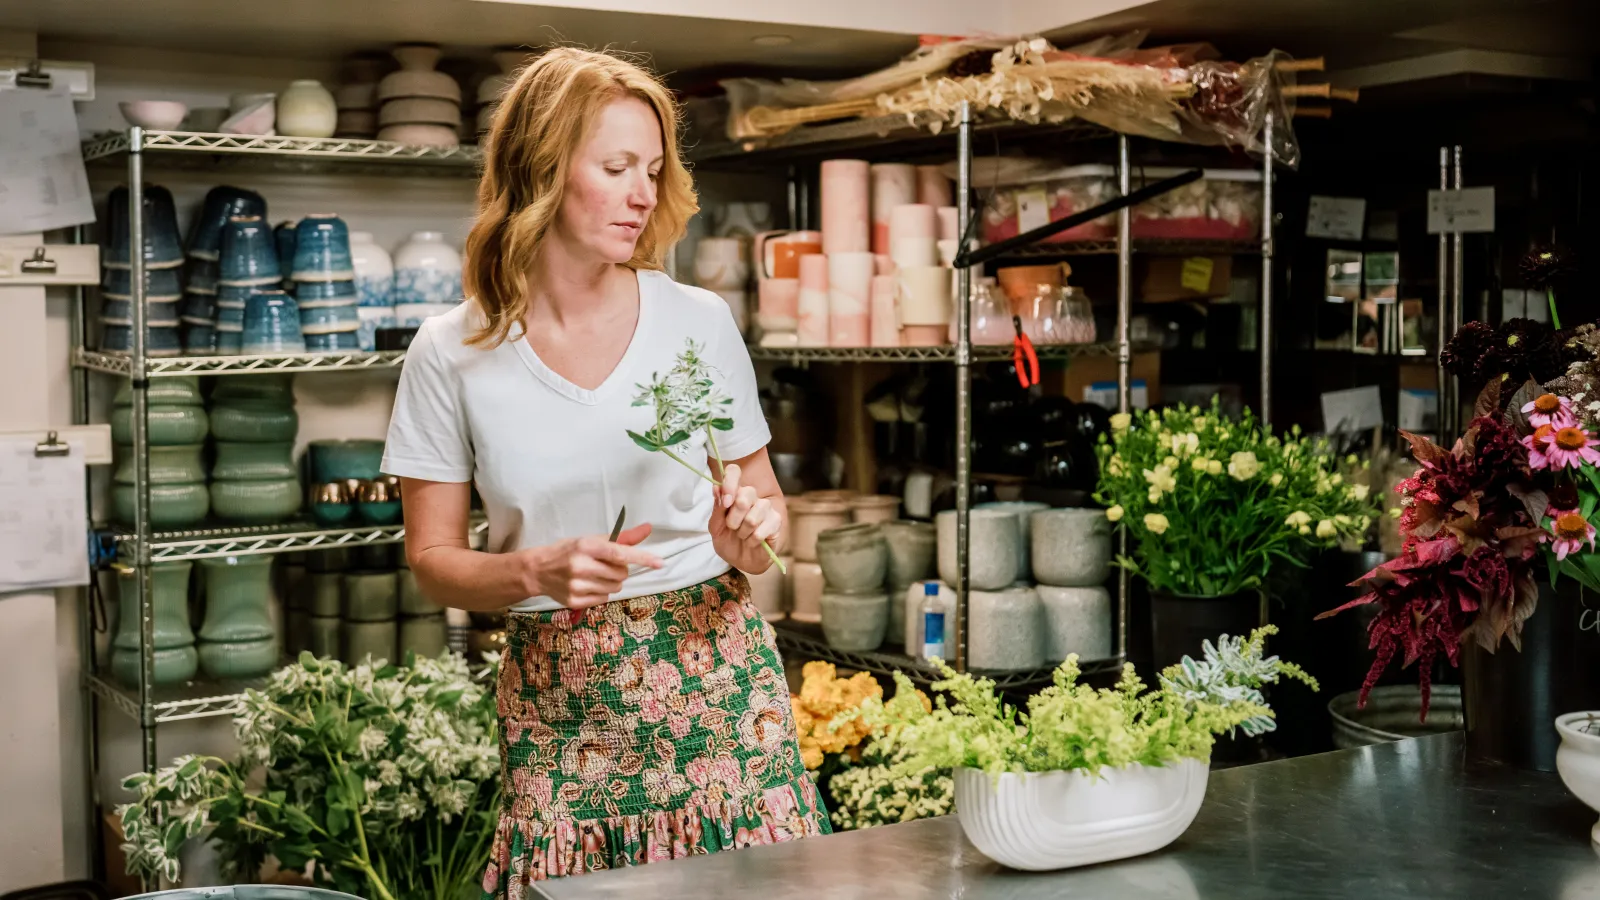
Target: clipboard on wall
[(42, 514)]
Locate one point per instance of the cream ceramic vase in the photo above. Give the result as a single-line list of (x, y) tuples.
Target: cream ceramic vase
[(307, 109)]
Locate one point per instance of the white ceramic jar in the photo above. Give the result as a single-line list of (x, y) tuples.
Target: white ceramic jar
[(1005, 629), (426, 270), (994, 542), (374, 271), (306, 109)]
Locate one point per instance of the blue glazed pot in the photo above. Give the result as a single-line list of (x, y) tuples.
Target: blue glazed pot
[(119, 311), (199, 339), (198, 309), (158, 341), (161, 247), (201, 276), (325, 319), (229, 342), (312, 291), (223, 202), (233, 296), (426, 286), (333, 342), (230, 318), (339, 460), (249, 253), (283, 235), (272, 324), (322, 249), (158, 283)]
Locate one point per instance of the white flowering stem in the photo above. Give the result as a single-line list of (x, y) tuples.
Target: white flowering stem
[(679, 460), (722, 471)]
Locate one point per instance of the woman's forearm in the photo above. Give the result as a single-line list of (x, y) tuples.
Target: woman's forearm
[(473, 580)]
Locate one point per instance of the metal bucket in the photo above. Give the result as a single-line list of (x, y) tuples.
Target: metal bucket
[(248, 892), (1392, 715)]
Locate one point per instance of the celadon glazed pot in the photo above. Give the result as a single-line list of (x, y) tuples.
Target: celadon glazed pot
[(175, 657), (237, 639)]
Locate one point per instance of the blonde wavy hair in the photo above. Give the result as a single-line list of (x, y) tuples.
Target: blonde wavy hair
[(542, 118)]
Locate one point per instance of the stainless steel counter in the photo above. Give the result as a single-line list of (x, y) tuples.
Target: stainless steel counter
[(1404, 820)]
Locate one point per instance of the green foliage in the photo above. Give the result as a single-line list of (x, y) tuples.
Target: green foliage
[(1073, 726), (385, 776), (1216, 505), (880, 790)]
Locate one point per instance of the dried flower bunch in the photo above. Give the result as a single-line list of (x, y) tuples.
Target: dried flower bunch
[(686, 401), (1071, 726), (1216, 504), (1517, 490), (384, 776)]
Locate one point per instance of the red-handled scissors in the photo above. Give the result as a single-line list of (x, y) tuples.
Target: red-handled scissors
[(1023, 357)]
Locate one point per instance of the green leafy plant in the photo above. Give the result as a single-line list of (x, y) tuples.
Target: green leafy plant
[(384, 777), (1216, 505), (879, 790), (1071, 726), (687, 400)]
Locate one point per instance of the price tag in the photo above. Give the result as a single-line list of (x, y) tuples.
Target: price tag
[(1033, 209), (1196, 274), (1466, 210)]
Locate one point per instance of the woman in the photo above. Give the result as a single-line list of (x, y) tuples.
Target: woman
[(644, 713)]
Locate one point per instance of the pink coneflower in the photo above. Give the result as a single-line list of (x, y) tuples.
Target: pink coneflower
[(1548, 409), (1537, 443), (1572, 531), (1568, 448)]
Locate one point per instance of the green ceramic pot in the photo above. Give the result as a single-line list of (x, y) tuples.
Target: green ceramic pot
[(254, 420), (412, 601), (370, 596), (239, 461), (336, 559), (255, 501), (294, 585), (368, 640), (322, 636), (385, 513), (174, 640), (168, 425), (238, 599), (179, 390), (168, 465), (338, 460), (422, 635), (171, 505), (375, 556), (239, 659), (326, 595), (275, 388)]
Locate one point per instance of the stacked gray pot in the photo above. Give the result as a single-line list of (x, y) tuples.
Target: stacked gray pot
[(1071, 551)]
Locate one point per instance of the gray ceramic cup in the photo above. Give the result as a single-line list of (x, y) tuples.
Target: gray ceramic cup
[(1071, 547)]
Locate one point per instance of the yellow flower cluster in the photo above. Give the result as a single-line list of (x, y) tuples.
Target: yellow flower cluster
[(823, 697)]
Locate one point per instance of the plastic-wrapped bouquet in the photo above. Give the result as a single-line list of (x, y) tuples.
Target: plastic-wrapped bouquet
[(385, 777)]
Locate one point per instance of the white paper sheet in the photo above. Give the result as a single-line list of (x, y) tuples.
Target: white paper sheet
[(43, 542), (1354, 409), (43, 184)]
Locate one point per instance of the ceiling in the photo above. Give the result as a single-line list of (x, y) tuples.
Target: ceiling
[(325, 29)]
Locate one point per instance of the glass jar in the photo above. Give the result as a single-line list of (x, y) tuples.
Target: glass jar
[(991, 315), (1074, 317)]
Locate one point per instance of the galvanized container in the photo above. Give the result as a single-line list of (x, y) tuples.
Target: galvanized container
[(1392, 714)]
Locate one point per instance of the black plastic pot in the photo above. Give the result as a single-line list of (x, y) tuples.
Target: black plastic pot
[(1179, 624), (1513, 698)]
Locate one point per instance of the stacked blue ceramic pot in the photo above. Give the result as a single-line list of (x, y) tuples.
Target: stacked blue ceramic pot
[(162, 255), (253, 476), (325, 284), (248, 264), (271, 325), (199, 310)]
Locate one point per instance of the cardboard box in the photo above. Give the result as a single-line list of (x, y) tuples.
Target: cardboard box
[(1171, 279), (1083, 372)]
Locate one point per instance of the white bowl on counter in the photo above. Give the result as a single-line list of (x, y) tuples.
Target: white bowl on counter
[(1578, 759), (1040, 821)]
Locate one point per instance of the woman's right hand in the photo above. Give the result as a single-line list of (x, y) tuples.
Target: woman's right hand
[(581, 572)]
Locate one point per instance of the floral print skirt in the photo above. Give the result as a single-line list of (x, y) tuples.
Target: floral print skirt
[(644, 730)]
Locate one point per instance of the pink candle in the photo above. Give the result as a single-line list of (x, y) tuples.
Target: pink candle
[(893, 184), (949, 223), (778, 302), (912, 227), (885, 323), (813, 301), (846, 209), (933, 188)]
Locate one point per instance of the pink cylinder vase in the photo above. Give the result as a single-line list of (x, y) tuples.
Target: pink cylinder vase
[(912, 230), (813, 301), (923, 296), (778, 304), (933, 188), (783, 253), (893, 184), (882, 264), (922, 336), (884, 326), (849, 282), (949, 223), (846, 206)]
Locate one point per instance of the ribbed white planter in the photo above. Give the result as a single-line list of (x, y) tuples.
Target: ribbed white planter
[(1038, 821)]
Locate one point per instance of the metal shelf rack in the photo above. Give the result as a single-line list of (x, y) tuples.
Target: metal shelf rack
[(257, 540), (187, 149), (171, 366), (199, 699), (920, 354)]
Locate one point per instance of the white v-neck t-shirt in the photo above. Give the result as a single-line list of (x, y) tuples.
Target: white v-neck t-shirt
[(554, 461)]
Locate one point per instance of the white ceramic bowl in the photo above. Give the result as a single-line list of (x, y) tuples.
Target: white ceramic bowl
[(1578, 760), (159, 115), (420, 135), (1040, 821), (257, 119)]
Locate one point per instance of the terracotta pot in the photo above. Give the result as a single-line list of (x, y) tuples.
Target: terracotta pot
[(809, 518), (874, 508), (805, 587)]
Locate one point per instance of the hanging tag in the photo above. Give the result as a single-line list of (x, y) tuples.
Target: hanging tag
[(1033, 209), (1196, 275)]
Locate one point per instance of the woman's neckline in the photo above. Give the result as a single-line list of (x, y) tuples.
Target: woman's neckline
[(619, 373)]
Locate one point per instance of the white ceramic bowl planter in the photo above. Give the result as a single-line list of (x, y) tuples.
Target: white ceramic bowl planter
[(1578, 760), (1038, 821)]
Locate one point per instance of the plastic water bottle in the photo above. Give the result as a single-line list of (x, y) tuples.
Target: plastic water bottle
[(932, 622)]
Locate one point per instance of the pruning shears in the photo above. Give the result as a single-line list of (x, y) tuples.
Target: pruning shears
[(1023, 356)]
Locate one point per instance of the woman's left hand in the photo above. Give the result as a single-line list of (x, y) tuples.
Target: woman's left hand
[(740, 520)]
